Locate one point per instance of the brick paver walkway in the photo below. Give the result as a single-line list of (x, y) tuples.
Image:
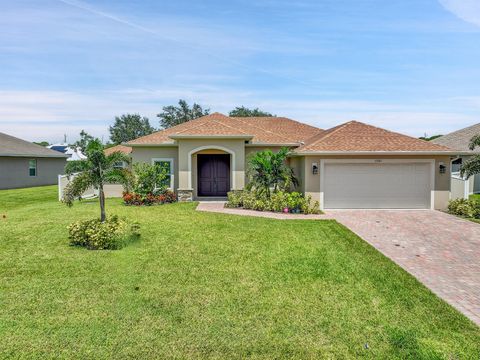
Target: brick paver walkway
[(440, 250)]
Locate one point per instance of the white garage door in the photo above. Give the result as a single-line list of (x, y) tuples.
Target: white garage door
[(377, 185)]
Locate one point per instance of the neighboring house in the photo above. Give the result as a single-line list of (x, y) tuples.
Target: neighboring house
[(353, 165), (73, 153), (24, 164), (460, 140)]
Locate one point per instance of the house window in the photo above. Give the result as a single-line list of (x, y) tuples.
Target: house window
[(119, 165), (32, 167), (167, 166), (456, 165)]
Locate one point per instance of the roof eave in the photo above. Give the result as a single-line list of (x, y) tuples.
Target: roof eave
[(180, 137), (170, 144), (272, 144), (60, 156), (410, 152)]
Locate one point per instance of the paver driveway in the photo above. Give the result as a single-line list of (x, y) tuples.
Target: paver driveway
[(440, 250)]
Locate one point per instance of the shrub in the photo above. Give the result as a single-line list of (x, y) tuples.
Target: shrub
[(235, 199), (149, 179), (111, 234), (464, 207), (136, 199), (279, 202)]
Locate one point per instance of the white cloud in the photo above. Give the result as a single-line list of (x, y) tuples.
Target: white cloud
[(467, 10), (40, 115)]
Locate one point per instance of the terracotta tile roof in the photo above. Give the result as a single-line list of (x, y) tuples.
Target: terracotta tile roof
[(120, 148), (271, 130), (359, 137), (460, 139)]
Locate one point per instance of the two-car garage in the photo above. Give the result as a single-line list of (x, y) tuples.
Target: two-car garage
[(377, 184)]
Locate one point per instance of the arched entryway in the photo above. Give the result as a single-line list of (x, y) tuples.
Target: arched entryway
[(211, 171)]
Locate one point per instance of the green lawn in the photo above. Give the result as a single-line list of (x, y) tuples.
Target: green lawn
[(203, 285)]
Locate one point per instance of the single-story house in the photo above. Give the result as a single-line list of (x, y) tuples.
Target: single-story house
[(24, 164), (353, 165), (460, 140)]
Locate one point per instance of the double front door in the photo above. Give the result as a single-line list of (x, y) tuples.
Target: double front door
[(213, 174)]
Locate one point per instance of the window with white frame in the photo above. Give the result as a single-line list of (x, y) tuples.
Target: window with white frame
[(120, 165), (32, 167), (166, 164)]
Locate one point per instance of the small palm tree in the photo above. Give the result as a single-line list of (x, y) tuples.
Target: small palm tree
[(97, 170), (268, 170), (472, 165)]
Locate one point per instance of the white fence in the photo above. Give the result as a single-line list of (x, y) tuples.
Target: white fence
[(111, 190), (461, 187)]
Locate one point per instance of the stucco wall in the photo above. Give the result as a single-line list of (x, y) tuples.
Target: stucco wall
[(188, 147), (442, 181), (146, 154), (14, 172)]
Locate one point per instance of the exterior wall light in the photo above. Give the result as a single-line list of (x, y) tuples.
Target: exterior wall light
[(442, 168), (314, 168)]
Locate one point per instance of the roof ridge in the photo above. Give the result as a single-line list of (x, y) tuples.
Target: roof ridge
[(258, 127), (329, 133), (171, 130), (400, 134), (231, 127), (212, 120)]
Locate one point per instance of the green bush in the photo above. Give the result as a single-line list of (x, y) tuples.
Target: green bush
[(279, 201), (111, 234), (235, 199), (465, 208), (149, 179)]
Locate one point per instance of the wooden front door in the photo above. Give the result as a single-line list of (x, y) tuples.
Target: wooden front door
[(213, 174)]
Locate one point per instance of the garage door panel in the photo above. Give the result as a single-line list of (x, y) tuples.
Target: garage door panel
[(377, 186)]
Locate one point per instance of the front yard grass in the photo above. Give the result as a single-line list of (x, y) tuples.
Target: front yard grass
[(204, 285)]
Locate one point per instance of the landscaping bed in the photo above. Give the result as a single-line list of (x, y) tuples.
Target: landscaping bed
[(280, 201)]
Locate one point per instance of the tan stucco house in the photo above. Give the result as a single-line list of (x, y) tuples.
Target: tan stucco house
[(353, 165)]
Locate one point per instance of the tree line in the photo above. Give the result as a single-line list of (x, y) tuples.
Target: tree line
[(132, 126)]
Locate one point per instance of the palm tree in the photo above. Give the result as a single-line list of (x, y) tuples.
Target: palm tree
[(97, 170), (472, 166), (268, 170)]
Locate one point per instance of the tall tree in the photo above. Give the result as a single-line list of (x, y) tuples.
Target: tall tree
[(175, 115), (128, 127), (472, 165), (429, 138), (242, 111), (85, 139), (95, 172)]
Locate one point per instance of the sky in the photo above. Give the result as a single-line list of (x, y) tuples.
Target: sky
[(410, 66)]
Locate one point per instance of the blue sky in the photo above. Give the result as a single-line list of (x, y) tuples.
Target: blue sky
[(410, 66)]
